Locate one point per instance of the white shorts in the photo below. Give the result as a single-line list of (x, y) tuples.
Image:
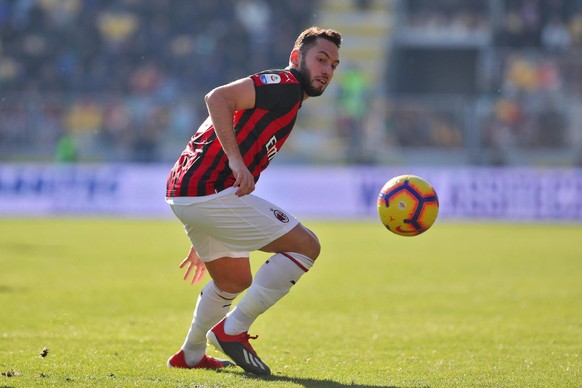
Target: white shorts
[(224, 225)]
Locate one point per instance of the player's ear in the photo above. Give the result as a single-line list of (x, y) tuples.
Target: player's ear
[(295, 58)]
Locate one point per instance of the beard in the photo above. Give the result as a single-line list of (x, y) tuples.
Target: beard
[(309, 89)]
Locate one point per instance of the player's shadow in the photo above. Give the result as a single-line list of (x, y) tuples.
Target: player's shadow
[(307, 382)]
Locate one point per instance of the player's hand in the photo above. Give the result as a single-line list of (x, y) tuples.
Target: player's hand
[(244, 180), (193, 263)]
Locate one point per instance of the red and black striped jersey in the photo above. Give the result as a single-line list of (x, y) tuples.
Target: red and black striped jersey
[(202, 168)]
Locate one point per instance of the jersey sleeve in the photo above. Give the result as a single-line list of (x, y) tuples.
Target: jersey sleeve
[(277, 91)]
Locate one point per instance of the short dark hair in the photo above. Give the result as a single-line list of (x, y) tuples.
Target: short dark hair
[(308, 37)]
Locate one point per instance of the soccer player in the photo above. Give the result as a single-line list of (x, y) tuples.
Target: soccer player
[(209, 190)]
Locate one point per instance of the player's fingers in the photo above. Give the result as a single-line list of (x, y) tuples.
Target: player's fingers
[(249, 190), (197, 276), (247, 187), (241, 189), (238, 178), (251, 186), (200, 271), (239, 192), (183, 263), (188, 270)]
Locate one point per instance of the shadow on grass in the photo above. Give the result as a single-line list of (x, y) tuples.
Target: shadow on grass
[(305, 382), (8, 290)]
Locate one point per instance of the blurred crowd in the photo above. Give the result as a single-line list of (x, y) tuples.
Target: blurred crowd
[(539, 82), (118, 74), (530, 83), (123, 80), (552, 24), (138, 46), (445, 16)]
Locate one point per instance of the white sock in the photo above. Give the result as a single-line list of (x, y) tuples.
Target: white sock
[(272, 282), (212, 305)]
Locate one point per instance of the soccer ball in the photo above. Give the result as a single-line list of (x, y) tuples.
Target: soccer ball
[(408, 205)]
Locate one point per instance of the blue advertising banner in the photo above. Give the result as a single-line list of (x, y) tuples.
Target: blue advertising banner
[(514, 194)]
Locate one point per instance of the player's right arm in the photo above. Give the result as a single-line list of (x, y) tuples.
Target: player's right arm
[(221, 103), (193, 263)]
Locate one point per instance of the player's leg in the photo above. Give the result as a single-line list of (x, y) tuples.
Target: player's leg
[(227, 272), (273, 281), (212, 305), (230, 277), (230, 274), (295, 253), (300, 240)]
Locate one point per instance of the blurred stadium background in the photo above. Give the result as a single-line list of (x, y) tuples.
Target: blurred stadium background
[(488, 90)]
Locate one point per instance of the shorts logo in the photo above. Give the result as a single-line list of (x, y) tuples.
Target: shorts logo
[(270, 78), (280, 215)]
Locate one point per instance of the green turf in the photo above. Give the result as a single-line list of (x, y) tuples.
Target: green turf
[(463, 305)]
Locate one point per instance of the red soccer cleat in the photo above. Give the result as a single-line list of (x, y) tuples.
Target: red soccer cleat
[(207, 362), (237, 347)]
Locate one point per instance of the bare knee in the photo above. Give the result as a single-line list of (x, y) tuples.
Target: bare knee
[(230, 275), (312, 249), (233, 285), (299, 240)]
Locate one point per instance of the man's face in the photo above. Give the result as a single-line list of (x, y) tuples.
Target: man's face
[(317, 66)]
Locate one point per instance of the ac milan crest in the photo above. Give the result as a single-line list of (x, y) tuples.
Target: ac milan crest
[(280, 215)]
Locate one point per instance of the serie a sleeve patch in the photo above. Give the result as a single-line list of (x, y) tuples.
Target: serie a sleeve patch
[(273, 78), (269, 79)]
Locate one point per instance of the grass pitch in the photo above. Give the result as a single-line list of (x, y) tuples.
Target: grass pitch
[(100, 302)]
